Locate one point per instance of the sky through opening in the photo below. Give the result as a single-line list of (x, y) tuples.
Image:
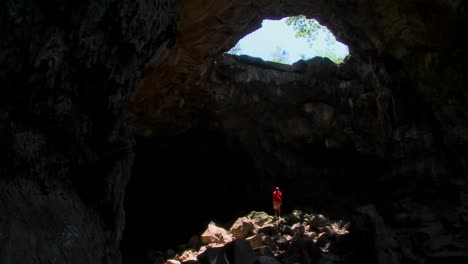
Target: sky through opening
[(277, 41)]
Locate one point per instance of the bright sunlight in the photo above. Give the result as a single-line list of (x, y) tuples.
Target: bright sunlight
[(289, 40)]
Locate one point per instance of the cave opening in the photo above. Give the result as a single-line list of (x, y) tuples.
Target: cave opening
[(291, 39)]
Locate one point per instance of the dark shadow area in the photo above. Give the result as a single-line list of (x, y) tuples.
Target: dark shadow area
[(334, 181), (182, 182), (179, 183)]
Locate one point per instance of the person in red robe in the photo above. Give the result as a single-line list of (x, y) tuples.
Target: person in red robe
[(277, 201)]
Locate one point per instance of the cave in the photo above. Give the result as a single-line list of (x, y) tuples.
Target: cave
[(126, 127)]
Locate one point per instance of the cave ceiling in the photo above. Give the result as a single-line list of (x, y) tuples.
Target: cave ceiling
[(387, 39)]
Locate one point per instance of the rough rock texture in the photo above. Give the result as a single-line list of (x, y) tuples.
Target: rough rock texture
[(393, 116), (68, 71)]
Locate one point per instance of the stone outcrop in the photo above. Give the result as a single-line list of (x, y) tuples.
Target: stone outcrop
[(292, 239)]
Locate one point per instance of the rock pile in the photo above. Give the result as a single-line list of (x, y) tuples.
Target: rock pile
[(260, 238)]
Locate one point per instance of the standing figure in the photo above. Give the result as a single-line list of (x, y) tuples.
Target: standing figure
[(277, 201)]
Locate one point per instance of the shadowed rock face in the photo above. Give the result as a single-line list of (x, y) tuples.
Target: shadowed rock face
[(68, 72), (392, 117)]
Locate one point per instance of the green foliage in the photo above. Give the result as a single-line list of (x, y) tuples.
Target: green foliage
[(279, 56), (332, 56), (319, 38), (305, 28), (310, 29)]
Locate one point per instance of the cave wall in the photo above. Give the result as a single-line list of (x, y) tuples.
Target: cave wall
[(68, 72), (352, 141), (318, 129)]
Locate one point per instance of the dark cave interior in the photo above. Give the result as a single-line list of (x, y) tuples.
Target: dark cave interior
[(203, 176)]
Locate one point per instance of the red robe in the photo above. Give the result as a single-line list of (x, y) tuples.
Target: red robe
[(277, 198)]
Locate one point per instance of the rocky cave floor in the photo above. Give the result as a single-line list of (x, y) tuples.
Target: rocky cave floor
[(297, 237)]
